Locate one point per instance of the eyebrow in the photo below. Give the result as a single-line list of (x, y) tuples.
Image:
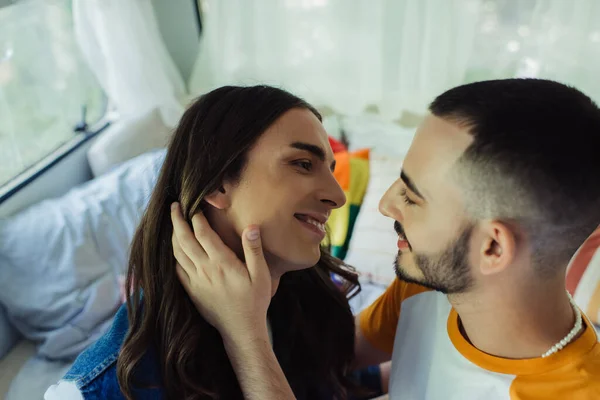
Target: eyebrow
[(410, 184), (313, 149)]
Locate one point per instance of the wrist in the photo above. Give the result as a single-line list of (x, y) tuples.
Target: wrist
[(243, 338)]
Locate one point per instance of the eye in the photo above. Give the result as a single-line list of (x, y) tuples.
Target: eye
[(405, 197), (304, 164)]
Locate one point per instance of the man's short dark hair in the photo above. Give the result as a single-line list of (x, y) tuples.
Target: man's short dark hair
[(534, 160)]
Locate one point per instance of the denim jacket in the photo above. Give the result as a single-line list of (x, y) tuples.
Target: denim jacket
[(93, 376)]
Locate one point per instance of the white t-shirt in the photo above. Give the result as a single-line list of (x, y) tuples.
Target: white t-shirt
[(431, 360)]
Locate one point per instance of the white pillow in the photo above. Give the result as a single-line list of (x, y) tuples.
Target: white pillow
[(60, 260), (373, 247), (126, 139), (9, 335)]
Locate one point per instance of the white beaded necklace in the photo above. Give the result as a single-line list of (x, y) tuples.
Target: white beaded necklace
[(567, 339)]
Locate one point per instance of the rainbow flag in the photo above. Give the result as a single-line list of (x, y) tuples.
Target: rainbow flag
[(352, 173)]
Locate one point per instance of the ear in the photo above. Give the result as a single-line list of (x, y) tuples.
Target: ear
[(219, 199), (498, 249)]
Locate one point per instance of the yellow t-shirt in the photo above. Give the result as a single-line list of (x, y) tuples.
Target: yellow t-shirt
[(431, 359)]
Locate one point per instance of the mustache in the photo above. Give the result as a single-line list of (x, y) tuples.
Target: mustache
[(399, 230)]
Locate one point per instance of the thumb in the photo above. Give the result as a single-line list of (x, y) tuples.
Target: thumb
[(253, 251)]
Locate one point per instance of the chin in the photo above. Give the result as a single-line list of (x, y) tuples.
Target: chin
[(406, 270)]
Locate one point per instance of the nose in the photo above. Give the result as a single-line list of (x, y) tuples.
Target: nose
[(388, 205), (333, 194)]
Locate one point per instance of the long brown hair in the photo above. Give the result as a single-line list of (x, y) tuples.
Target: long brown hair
[(311, 321)]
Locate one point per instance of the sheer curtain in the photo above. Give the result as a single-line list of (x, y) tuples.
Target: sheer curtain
[(121, 42), (551, 39), (395, 55), (349, 55)]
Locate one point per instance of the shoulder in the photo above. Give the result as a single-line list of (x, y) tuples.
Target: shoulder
[(578, 378), (588, 368), (102, 354)]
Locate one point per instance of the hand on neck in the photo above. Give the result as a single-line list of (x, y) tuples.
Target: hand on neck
[(218, 221), (516, 319)]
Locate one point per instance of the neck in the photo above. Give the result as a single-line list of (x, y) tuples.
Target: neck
[(275, 271), (516, 320)]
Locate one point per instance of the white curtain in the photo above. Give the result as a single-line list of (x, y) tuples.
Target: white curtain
[(396, 55), (552, 39), (348, 55), (121, 42)]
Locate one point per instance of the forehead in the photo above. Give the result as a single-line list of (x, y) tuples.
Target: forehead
[(296, 125), (436, 147)]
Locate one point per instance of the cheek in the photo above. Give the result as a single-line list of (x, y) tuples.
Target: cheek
[(272, 207), (429, 231), (283, 238), (262, 206), (476, 242)]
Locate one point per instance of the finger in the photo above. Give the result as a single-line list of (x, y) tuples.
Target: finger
[(183, 276), (182, 259), (187, 241), (209, 239), (253, 251)]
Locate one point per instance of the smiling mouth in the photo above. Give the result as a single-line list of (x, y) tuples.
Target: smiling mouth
[(310, 220)]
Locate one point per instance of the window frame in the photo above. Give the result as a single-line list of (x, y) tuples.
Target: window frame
[(38, 169), (46, 162)]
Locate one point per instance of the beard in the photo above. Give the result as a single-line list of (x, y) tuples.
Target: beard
[(447, 272)]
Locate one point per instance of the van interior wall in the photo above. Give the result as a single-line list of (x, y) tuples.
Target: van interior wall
[(70, 171)]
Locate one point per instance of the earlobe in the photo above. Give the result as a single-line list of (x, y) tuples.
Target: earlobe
[(498, 249)]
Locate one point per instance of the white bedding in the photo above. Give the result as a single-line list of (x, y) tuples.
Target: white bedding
[(25, 376), (72, 276), (11, 364)]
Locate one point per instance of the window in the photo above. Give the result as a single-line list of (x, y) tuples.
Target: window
[(45, 87)]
